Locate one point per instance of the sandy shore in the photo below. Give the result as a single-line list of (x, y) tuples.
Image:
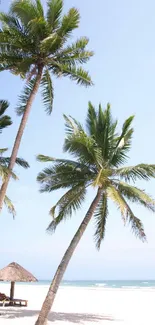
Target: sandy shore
[(83, 306)]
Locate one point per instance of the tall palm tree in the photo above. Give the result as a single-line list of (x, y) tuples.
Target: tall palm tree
[(35, 46), (100, 154), (5, 121)]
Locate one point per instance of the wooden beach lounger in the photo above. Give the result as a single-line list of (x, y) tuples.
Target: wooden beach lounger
[(6, 301), (19, 302)]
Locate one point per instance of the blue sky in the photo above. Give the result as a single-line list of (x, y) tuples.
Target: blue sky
[(123, 70)]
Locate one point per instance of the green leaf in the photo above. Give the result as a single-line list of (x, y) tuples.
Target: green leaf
[(79, 75), (9, 206), (54, 10), (22, 163), (3, 106), (69, 22), (116, 197), (3, 150), (51, 44), (123, 144), (84, 148), (100, 216), (25, 10), (47, 91), (91, 120), (19, 161), (75, 53), (5, 120), (72, 126), (127, 214), (9, 21), (136, 195), (136, 224), (38, 26), (43, 158), (40, 8), (64, 174), (132, 173), (4, 172), (68, 203), (23, 98)]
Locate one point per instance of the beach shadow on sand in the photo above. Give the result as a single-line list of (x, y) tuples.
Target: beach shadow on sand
[(76, 318)]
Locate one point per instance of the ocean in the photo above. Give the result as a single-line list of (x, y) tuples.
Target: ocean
[(128, 284), (104, 283)]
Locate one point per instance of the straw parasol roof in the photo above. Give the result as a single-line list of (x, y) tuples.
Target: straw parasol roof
[(16, 273)]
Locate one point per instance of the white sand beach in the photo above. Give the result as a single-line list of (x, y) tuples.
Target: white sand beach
[(84, 306)]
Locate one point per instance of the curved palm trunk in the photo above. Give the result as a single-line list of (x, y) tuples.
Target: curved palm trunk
[(46, 307), (19, 135)]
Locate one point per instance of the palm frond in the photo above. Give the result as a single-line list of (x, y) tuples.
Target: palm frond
[(64, 174), (72, 126), (135, 195), (100, 216), (123, 144), (43, 158), (22, 163), (84, 148), (54, 10), (75, 47), (126, 212), (102, 128), (106, 131), (23, 98), (69, 22), (4, 104), (79, 75), (65, 162), (68, 203), (2, 150), (25, 10), (38, 26), (9, 206), (39, 8), (47, 91), (51, 44), (10, 21), (132, 173), (91, 120), (136, 224), (126, 131), (5, 120), (75, 53), (19, 161), (4, 172), (116, 197)]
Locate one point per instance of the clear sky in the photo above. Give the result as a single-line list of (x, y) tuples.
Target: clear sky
[(123, 69)]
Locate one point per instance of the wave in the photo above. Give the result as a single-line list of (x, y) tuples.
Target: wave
[(100, 284), (130, 287)]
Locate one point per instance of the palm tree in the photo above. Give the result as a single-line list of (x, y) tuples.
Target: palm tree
[(100, 154), (5, 121), (35, 46)]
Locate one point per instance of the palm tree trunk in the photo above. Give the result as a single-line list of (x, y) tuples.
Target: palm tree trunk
[(19, 135), (48, 302)]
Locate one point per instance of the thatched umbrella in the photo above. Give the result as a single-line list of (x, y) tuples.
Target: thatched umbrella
[(15, 273)]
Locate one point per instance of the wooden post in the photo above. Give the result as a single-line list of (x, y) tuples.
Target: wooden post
[(12, 290)]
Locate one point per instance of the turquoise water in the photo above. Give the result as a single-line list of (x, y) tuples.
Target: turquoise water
[(100, 284), (105, 283), (111, 283)]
